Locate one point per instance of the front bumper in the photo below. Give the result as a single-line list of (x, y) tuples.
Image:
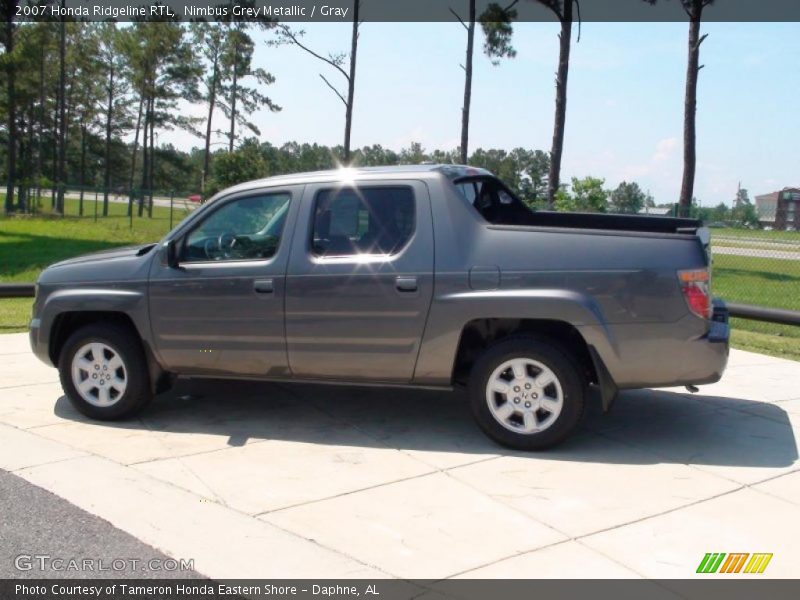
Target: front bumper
[(40, 346)]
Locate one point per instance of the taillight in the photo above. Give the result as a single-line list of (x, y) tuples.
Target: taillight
[(695, 288)]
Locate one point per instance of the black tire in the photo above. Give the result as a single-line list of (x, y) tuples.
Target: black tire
[(126, 344), (570, 379)]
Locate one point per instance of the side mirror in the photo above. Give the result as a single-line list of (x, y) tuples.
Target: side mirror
[(171, 254)]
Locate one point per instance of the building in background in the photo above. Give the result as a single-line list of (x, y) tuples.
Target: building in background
[(779, 210)]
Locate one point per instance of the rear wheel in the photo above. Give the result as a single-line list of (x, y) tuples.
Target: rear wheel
[(103, 371), (526, 393)]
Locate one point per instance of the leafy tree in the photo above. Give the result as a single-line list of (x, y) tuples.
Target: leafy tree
[(495, 45), (165, 70), (628, 198), (742, 197), (413, 155), (86, 97), (587, 195), (496, 23), (375, 155), (238, 100), (720, 213), (117, 102), (532, 167), (62, 113), (501, 34), (27, 93), (9, 10), (243, 164), (210, 38), (743, 212)]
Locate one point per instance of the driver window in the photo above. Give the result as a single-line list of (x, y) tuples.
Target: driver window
[(244, 229)]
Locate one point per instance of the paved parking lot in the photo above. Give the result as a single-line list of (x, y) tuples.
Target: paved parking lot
[(267, 480)]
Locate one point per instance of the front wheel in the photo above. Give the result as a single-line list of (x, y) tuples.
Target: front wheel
[(104, 372), (526, 393)]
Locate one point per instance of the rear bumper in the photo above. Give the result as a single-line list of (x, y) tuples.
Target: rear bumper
[(691, 351), (716, 346)]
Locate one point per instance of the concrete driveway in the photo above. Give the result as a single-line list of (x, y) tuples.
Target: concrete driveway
[(266, 480)]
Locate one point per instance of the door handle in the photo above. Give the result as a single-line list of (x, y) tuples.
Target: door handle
[(264, 286), (406, 284)]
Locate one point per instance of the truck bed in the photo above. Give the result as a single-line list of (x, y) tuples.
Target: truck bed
[(609, 222), (500, 206)]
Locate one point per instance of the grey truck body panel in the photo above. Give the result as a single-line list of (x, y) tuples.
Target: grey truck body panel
[(398, 319)]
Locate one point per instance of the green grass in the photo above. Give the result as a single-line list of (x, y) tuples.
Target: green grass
[(767, 342), (14, 314), (752, 280), (756, 234), (30, 243), (766, 282)]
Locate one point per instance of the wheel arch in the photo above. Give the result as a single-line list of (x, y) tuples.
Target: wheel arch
[(479, 334), (68, 322)]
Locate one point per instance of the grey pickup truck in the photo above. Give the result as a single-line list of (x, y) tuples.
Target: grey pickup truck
[(426, 276)]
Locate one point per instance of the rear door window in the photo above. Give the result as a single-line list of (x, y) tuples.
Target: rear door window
[(363, 220)]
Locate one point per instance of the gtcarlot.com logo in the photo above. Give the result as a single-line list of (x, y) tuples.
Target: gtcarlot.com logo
[(46, 562), (736, 562)]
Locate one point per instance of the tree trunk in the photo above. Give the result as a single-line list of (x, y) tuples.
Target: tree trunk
[(689, 115), (83, 167), (351, 83), (133, 156), (53, 190), (467, 84), (565, 38), (25, 137), (145, 157), (151, 178), (234, 92), (11, 99), (107, 157), (62, 115), (212, 98), (40, 149)]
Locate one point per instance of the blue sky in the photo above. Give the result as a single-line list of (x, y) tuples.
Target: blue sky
[(625, 103)]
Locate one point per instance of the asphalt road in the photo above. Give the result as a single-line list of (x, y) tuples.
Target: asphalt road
[(35, 523)]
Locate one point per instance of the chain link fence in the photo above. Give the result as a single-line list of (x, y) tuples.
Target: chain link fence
[(759, 264), (156, 210)]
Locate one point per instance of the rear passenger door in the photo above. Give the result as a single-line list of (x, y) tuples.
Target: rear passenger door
[(360, 281)]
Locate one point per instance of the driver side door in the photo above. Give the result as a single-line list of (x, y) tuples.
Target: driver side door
[(221, 310)]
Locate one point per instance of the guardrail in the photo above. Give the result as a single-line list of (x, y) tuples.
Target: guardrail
[(743, 311), (763, 313), (17, 290)]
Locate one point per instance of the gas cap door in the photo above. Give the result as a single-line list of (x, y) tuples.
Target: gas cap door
[(484, 278)]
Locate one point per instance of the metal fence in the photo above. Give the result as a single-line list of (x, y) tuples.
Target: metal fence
[(165, 207), (759, 265)]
